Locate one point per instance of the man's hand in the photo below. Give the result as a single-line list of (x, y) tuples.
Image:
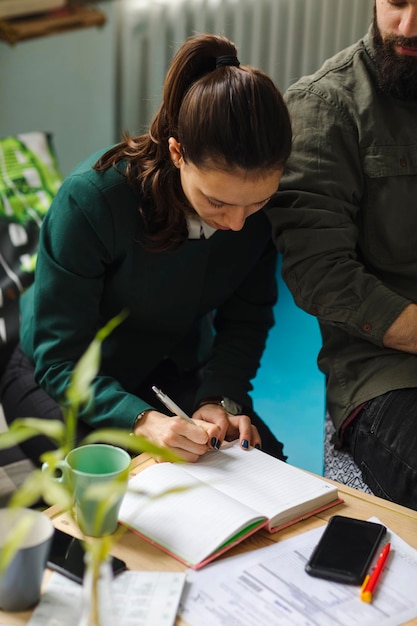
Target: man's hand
[(402, 334)]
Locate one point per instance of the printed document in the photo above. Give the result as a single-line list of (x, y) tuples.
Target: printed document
[(269, 586), (138, 598)]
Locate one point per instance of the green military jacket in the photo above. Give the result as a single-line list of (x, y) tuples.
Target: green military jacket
[(345, 220)]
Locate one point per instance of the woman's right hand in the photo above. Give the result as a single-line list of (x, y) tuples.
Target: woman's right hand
[(188, 440)]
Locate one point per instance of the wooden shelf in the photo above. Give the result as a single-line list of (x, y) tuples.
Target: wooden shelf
[(51, 23)]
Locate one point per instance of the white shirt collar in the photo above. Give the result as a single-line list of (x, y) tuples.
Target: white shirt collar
[(196, 226)]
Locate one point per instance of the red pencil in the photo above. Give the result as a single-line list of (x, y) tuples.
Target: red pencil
[(370, 582)]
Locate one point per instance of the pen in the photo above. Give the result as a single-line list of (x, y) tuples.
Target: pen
[(170, 404), (371, 580)]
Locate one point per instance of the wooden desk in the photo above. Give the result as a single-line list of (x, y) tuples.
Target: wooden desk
[(140, 555)]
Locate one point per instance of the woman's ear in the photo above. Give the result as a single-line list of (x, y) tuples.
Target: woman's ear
[(175, 151)]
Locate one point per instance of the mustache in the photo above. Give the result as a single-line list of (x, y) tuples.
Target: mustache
[(403, 42)]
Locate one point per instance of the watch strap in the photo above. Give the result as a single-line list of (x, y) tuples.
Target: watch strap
[(228, 404), (138, 419)]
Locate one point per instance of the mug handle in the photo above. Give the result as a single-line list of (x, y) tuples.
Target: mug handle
[(59, 467)]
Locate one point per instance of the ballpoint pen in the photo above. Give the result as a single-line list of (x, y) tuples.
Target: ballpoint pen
[(170, 404), (371, 580)]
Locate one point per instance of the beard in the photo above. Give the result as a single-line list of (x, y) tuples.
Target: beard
[(397, 72)]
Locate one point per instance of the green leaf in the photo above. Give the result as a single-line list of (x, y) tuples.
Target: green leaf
[(41, 484), (106, 497), (25, 428), (107, 493), (98, 548), (53, 457), (8, 439), (79, 390), (30, 492), (54, 429), (111, 325), (133, 443), (147, 497), (57, 493), (20, 529)]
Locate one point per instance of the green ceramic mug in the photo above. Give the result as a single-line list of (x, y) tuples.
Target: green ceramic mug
[(97, 474)]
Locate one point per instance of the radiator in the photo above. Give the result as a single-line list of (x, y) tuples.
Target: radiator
[(285, 38)]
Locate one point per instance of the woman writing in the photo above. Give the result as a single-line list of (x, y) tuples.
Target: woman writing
[(168, 226)]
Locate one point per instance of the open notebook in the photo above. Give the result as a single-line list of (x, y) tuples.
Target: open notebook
[(215, 503)]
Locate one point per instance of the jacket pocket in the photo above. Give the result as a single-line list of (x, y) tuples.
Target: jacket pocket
[(390, 204)]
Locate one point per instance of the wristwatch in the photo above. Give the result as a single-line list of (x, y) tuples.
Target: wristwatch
[(228, 404), (138, 419)]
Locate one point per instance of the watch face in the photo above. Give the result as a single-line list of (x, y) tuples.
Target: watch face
[(231, 406)]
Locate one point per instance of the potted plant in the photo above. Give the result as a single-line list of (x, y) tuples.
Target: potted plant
[(43, 485)]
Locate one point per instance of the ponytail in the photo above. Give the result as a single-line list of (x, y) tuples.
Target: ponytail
[(220, 112)]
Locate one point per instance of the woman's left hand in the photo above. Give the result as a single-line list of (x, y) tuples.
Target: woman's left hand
[(230, 426)]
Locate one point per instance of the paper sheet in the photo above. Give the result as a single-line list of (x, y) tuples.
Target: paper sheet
[(139, 599), (270, 586)]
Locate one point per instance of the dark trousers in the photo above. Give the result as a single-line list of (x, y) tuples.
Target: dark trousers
[(21, 396), (383, 443)]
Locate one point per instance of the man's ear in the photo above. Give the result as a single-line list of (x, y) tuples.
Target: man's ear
[(175, 151)]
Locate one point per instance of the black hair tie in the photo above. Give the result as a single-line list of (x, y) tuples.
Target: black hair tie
[(227, 59)]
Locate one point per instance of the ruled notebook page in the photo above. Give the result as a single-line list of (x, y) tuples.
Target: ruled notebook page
[(192, 522), (261, 481)]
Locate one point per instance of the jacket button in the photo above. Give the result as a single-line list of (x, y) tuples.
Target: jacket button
[(314, 310), (403, 162), (367, 328)]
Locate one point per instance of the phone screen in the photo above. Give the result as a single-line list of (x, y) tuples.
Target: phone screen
[(67, 557), (345, 550)]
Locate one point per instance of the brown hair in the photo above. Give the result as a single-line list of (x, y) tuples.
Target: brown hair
[(233, 116)]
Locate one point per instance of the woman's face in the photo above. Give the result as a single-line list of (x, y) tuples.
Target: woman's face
[(224, 199)]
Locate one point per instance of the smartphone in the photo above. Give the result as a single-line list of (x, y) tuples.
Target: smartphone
[(67, 557), (345, 550)]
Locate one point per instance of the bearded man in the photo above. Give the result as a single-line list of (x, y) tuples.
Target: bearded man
[(345, 221)]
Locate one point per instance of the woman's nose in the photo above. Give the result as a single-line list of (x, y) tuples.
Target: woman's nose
[(236, 218)]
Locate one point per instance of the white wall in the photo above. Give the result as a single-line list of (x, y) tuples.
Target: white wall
[(285, 38), (74, 85), (64, 84)]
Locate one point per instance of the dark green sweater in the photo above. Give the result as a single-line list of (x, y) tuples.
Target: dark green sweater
[(90, 267)]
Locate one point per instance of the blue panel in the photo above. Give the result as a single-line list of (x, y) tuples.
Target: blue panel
[(289, 390)]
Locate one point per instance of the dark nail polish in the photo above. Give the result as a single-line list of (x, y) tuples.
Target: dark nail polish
[(218, 444), (213, 442), (245, 444)]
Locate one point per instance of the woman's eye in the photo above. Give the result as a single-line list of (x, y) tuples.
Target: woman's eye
[(216, 205)]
